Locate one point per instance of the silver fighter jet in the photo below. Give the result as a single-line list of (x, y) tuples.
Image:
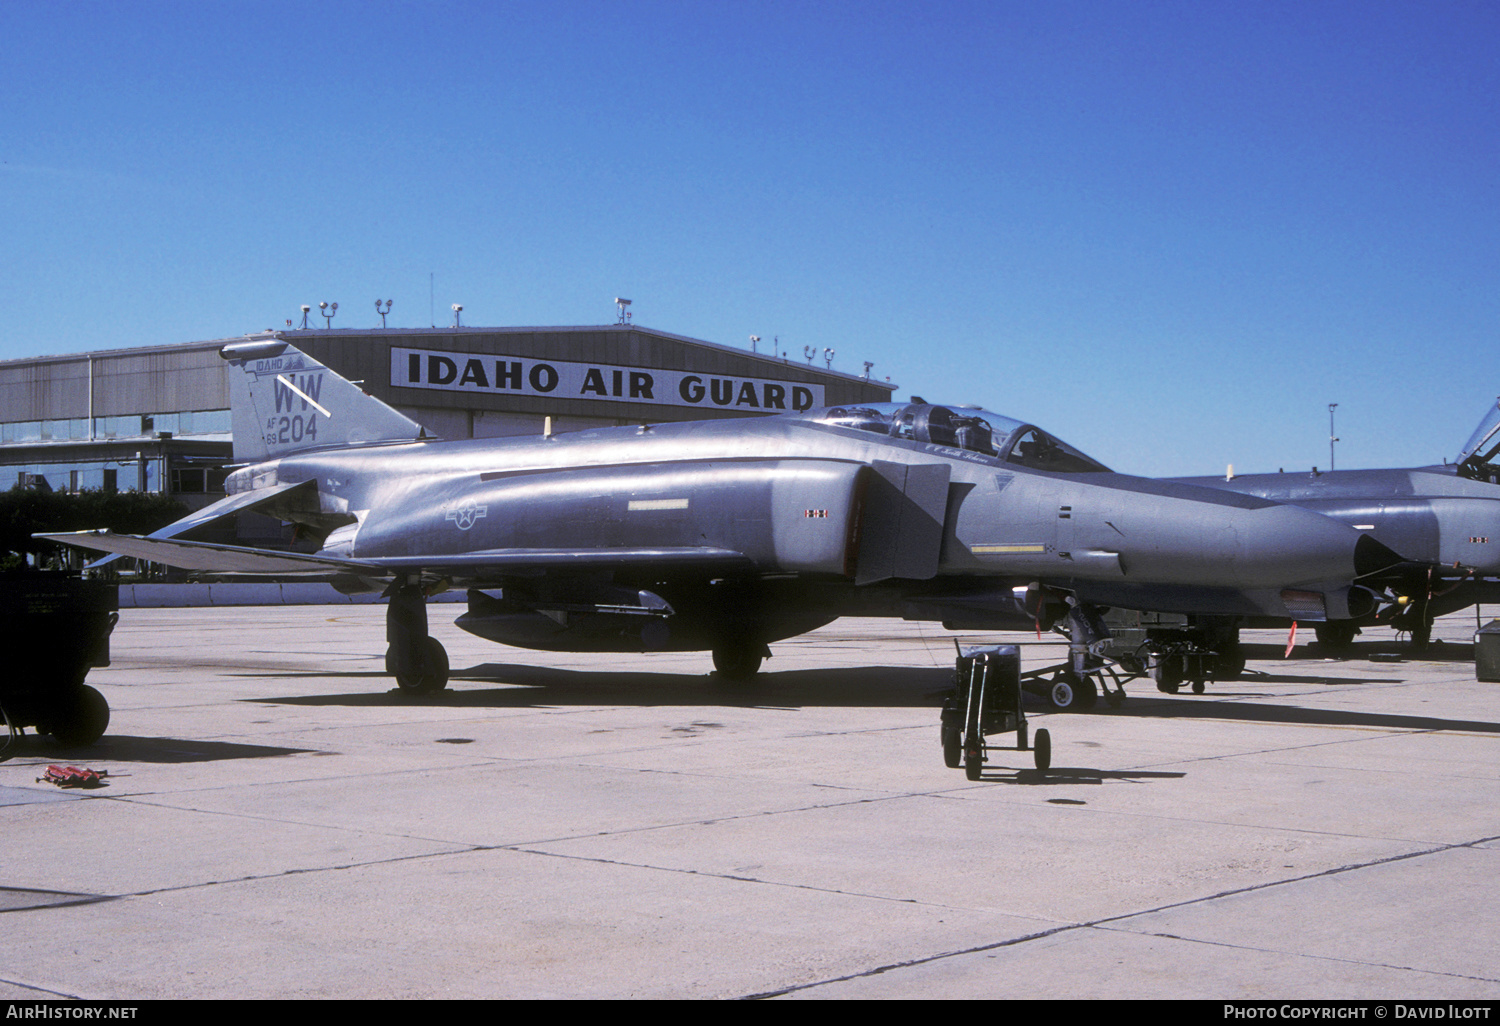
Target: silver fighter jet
[(729, 535)]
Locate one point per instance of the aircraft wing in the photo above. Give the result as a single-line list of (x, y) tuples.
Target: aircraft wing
[(228, 559), (227, 506), (237, 559), (224, 507)]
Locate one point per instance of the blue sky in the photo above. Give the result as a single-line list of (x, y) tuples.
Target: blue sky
[(1171, 233)]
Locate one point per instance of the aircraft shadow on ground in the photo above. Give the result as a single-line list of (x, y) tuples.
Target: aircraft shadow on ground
[(1438, 652), (899, 687), (1209, 708), (127, 748), (1258, 677), (537, 686)]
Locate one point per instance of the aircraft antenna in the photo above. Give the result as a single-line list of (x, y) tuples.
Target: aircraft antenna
[(1332, 437)]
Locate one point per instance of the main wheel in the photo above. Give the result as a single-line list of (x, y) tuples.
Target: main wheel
[(430, 675), (1230, 661), (1042, 750), (1336, 634), (738, 661), (81, 718), (973, 765)]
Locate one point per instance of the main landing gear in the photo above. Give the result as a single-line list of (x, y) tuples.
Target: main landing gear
[(739, 659), (415, 658)]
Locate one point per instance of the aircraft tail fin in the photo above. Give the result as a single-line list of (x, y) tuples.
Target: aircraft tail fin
[(283, 401)]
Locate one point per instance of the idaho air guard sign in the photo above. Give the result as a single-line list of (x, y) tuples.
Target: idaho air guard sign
[(516, 375)]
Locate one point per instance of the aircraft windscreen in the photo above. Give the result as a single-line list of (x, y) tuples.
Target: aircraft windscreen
[(1482, 444), (970, 428)]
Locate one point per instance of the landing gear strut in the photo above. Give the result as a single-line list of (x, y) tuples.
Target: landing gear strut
[(417, 660), (1075, 686)]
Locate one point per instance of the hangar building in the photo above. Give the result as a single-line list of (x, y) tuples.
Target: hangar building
[(157, 419)]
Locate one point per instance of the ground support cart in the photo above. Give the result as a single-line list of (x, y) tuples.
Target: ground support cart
[(54, 628), (986, 700)]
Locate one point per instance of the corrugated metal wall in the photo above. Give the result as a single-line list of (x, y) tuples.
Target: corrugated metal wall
[(166, 380), (192, 377)]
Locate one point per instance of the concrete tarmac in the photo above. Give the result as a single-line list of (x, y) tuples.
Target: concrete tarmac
[(277, 824)]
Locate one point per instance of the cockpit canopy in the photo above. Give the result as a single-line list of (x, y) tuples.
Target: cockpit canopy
[(963, 427), (1478, 458)]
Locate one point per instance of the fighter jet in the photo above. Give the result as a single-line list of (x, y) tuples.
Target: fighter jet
[(1445, 519), (729, 535)]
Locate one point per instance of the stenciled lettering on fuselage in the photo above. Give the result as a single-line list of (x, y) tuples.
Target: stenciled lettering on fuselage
[(558, 379)]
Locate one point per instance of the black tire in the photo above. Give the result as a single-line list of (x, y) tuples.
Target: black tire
[(81, 718), (1087, 690), (1041, 750), (973, 766), (1198, 687), (1421, 635), (1070, 693), (431, 676), (1337, 635), (739, 661), (953, 748), (1230, 662)]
